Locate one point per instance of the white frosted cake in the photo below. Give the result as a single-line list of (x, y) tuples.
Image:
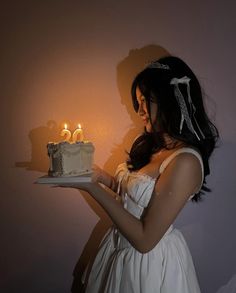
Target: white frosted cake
[(70, 159)]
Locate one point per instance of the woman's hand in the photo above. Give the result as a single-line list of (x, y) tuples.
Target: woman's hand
[(101, 176), (97, 174)]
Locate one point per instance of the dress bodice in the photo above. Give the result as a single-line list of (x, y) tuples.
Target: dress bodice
[(136, 189)]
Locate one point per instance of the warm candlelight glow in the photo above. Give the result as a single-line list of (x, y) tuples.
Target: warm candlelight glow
[(65, 132), (78, 132)]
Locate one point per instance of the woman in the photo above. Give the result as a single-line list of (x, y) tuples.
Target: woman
[(167, 166)]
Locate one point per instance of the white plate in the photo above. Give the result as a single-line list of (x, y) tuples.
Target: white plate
[(63, 180)]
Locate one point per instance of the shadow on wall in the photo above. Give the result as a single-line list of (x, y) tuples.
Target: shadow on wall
[(39, 137), (230, 287), (127, 69)]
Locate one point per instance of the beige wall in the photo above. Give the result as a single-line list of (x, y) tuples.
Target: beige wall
[(73, 61)]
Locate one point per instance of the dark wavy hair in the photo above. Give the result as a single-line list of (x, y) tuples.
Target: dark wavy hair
[(154, 84)]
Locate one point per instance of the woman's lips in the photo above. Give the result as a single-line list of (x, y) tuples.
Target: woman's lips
[(145, 120)]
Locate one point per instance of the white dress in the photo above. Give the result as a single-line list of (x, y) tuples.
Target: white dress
[(120, 268)]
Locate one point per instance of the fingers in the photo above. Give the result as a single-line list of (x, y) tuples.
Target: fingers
[(97, 173)]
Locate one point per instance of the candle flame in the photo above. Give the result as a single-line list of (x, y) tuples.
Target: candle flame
[(65, 126), (79, 126)]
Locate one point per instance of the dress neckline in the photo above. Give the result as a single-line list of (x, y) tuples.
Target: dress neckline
[(165, 162), (144, 175)]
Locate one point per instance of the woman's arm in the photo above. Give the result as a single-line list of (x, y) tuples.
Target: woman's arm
[(181, 178)]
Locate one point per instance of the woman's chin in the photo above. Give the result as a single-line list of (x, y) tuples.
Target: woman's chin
[(148, 129)]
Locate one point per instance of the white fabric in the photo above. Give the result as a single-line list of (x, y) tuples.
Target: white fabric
[(120, 268), (183, 107)]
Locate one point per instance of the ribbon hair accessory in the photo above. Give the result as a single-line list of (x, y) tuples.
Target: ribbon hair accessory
[(183, 107)]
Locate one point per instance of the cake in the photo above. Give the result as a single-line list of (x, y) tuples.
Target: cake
[(70, 159)]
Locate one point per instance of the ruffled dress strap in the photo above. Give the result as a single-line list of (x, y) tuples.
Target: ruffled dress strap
[(166, 162)]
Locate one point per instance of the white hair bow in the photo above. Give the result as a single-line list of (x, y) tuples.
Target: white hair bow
[(183, 107)]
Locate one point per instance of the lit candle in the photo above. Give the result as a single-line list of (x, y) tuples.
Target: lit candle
[(77, 132), (65, 132)]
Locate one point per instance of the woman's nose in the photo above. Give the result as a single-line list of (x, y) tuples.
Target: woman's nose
[(141, 110)]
